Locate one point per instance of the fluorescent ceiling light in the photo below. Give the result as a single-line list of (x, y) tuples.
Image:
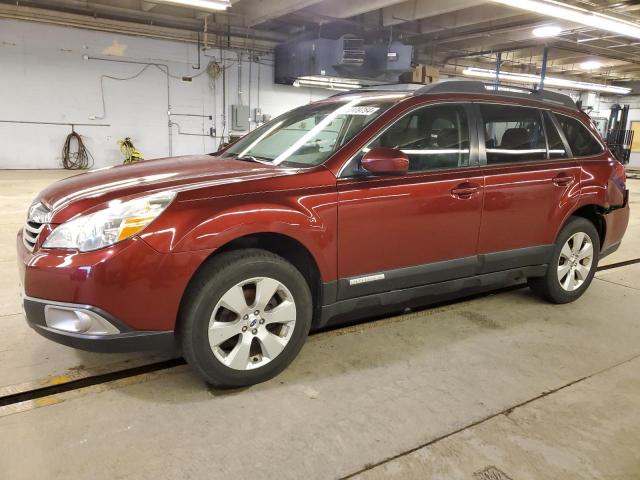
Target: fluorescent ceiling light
[(328, 79), (563, 11), (550, 81), (330, 86), (215, 5), (332, 83), (590, 65), (547, 31)]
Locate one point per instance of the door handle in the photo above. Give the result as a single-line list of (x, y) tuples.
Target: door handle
[(563, 180), (465, 190)]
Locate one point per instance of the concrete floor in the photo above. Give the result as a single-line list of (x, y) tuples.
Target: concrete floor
[(499, 387)]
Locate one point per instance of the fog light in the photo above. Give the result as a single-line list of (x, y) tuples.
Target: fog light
[(75, 320)]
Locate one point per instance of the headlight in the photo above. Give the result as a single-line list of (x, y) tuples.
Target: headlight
[(118, 221)]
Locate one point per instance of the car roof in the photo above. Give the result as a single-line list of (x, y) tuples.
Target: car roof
[(469, 87)]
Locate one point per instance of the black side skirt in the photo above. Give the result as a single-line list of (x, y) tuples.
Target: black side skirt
[(423, 295), (424, 284)]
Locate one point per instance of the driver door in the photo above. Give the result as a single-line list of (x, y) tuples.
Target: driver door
[(401, 231)]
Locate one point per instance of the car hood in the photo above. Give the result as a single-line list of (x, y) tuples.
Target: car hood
[(76, 194)]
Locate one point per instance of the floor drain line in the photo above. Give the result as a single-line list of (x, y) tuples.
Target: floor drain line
[(619, 264), (88, 382)]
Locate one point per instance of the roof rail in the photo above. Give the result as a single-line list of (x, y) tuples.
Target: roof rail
[(386, 87), (473, 86)]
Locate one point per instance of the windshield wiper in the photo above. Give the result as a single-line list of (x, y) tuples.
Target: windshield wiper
[(251, 158), (246, 158)]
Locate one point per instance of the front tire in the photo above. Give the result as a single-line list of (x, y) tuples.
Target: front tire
[(245, 318), (573, 263)]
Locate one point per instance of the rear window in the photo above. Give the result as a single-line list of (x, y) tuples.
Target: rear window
[(581, 141)]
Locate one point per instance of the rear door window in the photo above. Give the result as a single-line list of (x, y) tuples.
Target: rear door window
[(580, 139), (513, 134)]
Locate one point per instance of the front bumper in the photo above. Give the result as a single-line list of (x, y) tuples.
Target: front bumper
[(130, 280), (125, 340)]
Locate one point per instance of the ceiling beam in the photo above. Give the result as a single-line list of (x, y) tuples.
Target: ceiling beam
[(147, 6), (562, 58), (259, 11), (492, 30), (556, 44), (101, 10), (351, 8), (183, 29), (578, 15), (416, 10), (465, 17)]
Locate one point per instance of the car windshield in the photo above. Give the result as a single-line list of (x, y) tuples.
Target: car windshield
[(309, 135)]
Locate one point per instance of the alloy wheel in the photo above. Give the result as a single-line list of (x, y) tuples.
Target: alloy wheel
[(252, 323), (574, 264)]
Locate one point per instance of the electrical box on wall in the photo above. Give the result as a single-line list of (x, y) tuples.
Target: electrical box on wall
[(260, 117), (257, 115), (240, 117)]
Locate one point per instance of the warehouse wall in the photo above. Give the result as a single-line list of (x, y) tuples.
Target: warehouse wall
[(44, 77), (634, 115)]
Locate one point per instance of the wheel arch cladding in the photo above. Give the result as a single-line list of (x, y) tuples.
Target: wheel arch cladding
[(593, 213), (289, 248)]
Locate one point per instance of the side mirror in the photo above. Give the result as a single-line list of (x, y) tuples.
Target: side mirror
[(384, 160)]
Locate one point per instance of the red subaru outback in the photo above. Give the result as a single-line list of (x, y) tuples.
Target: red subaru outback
[(366, 202)]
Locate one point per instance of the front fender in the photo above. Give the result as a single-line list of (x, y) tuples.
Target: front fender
[(309, 217)]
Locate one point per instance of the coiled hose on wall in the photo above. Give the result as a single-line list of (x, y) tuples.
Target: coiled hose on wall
[(79, 159)]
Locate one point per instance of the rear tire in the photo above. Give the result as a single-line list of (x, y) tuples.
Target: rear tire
[(573, 263), (245, 318)]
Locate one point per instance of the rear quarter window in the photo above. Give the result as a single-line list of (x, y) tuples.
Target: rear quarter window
[(580, 139)]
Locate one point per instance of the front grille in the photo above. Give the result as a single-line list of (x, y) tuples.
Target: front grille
[(37, 218), (30, 234)]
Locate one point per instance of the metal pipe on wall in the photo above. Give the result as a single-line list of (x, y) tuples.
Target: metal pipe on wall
[(249, 87), (64, 124), (166, 70), (258, 92), (224, 99), (197, 67), (162, 67)]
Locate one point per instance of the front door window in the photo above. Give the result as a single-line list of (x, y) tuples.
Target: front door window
[(433, 137)]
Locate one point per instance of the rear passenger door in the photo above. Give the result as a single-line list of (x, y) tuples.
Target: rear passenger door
[(531, 184)]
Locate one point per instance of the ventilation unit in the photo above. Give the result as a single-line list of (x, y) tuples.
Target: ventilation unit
[(340, 63)]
